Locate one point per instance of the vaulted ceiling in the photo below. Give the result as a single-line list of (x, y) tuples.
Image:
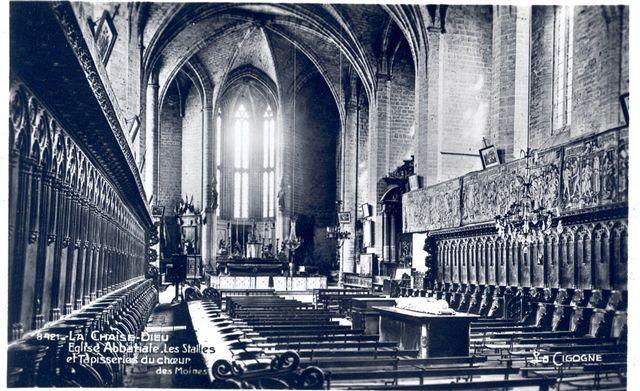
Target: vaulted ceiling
[(223, 37)]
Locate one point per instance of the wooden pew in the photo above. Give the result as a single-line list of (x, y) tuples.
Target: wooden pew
[(347, 352), (40, 356)]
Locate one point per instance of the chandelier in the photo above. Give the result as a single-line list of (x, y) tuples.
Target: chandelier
[(293, 242), (527, 219), (334, 232)]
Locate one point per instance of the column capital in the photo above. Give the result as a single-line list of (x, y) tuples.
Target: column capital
[(383, 75)]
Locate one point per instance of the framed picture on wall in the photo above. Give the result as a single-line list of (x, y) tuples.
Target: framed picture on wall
[(105, 36), (344, 217), (157, 210), (489, 157), (624, 103)]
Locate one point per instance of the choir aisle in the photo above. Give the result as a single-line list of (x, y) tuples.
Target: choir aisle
[(184, 370)]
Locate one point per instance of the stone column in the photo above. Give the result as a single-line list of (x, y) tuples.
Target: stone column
[(383, 234), (510, 84), (380, 152), (151, 129), (393, 255), (434, 70), (209, 243)]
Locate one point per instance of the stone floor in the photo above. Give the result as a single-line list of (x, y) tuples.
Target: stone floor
[(171, 322)]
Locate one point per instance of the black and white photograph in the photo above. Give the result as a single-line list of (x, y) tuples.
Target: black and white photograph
[(319, 195)]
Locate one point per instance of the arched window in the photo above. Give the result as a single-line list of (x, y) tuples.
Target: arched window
[(245, 162), (562, 67), (268, 165), (241, 163)]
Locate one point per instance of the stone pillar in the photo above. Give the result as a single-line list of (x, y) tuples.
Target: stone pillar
[(430, 93), (380, 151), (423, 110), (393, 257), (151, 129), (510, 84), (383, 232), (348, 253), (209, 241)]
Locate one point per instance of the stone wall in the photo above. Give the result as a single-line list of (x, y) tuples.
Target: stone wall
[(599, 76), (169, 188), (192, 143), (317, 126), (402, 103), (465, 89)]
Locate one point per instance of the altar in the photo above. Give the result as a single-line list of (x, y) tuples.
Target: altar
[(431, 334), (277, 283), (251, 266)]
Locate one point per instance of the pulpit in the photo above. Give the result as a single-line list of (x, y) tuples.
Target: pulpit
[(190, 225)]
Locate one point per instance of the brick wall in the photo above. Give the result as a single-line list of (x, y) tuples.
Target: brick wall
[(317, 125), (354, 158), (624, 77), (541, 77), (192, 147), (510, 81), (363, 151), (600, 72), (170, 155), (402, 102), (596, 70), (466, 87)]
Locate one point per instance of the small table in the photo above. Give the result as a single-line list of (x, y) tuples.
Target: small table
[(363, 316), (432, 335)]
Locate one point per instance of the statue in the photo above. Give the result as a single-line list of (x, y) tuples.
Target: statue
[(222, 247), (281, 196), (185, 206), (213, 195), (237, 250)]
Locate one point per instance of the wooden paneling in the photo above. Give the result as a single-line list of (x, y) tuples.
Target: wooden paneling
[(72, 236), (588, 255)]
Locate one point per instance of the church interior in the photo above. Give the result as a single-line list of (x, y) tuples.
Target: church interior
[(319, 196)]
